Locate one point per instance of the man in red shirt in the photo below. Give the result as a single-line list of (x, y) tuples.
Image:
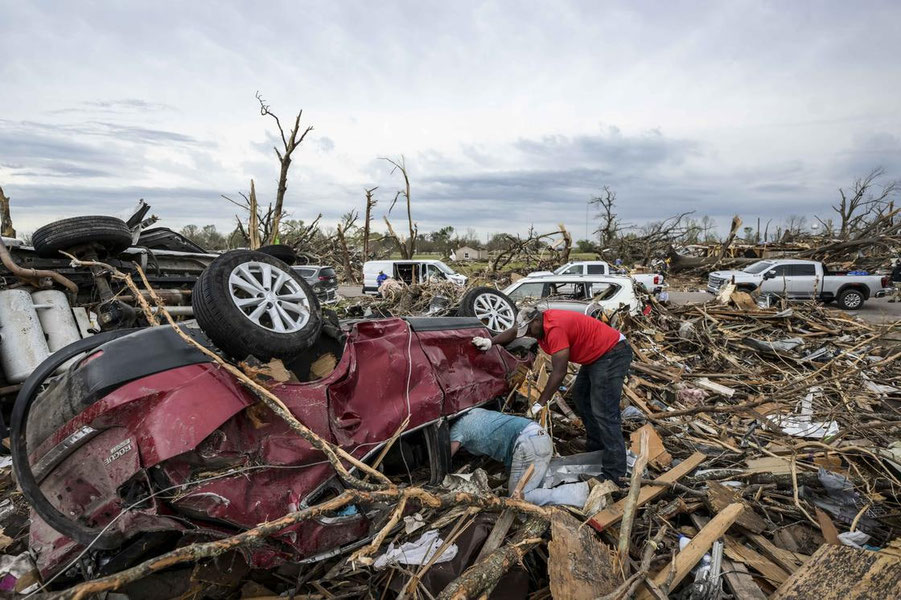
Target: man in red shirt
[(605, 357)]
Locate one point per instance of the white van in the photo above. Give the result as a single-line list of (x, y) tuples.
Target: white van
[(408, 271)]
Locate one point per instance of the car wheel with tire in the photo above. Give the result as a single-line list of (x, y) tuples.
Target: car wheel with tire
[(282, 252), (108, 234), (851, 299), (250, 303), (493, 308)]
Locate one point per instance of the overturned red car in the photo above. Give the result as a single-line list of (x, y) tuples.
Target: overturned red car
[(143, 443)]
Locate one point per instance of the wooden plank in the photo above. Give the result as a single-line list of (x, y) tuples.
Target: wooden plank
[(688, 557), (658, 457), (497, 535), (843, 573), (580, 566), (614, 513), (716, 388), (634, 397), (720, 496), (830, 532), (740, 582), (770, 570), (768, 464), (782, 557)]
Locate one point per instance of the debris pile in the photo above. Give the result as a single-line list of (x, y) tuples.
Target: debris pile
[(764, 455)]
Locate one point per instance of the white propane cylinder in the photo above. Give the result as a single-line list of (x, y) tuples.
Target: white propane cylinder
[(22, 343), (56, 318)]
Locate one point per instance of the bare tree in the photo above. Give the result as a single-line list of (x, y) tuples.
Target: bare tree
[(6, 221), (259, 224), (370, 204), (794, 227), (609, 227), (347, 223), (289, 145), (654, 239), (864, 202), (406, 247), (531, 249)]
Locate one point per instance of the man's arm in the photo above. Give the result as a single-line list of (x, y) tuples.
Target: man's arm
[(454, 447), (559, 365), (504, 337)]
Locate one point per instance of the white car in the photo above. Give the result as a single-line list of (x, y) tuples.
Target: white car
[(587, 294), (408, 271), (652, 282)]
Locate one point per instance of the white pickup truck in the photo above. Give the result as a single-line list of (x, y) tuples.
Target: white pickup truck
[(803, 279), (652, 282)]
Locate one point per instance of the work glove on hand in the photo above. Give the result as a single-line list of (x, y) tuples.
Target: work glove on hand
[(534, 411), (483, 344)]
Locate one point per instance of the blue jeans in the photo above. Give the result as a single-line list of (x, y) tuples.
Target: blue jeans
[(597, 392), (534, 447)]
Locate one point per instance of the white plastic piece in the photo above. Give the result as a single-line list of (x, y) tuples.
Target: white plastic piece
[(84, 322), (56, 318), (22, 343)]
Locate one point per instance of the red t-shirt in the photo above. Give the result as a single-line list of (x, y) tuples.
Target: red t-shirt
[(587, 339)]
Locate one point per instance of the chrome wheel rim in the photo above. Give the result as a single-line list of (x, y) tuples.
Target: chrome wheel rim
[(269, 297), (494, 312), (852, 300)]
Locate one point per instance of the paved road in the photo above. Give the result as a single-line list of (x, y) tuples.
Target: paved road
[(875, 310), (350, 291), (878, 310)]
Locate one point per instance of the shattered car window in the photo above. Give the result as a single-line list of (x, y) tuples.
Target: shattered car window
[(527, 290), (603, 291)]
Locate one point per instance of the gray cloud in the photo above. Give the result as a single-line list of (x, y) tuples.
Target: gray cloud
[(496, 106)]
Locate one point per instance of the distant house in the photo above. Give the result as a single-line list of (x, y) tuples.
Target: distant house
[(467, 253)]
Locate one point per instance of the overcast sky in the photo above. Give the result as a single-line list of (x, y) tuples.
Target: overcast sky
[(508, 114)]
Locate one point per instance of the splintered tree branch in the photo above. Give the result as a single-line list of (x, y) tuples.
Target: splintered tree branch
[(485, 574), (195, 552)]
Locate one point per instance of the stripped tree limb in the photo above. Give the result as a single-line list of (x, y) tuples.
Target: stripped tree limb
[(194, 552), (485, 574)]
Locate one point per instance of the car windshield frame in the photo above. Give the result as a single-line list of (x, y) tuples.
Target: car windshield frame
[(754, 269), (561, 270), (443, 268)]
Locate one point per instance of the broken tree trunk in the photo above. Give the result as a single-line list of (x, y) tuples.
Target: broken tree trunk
[(6, 221), (253, 224), (370, 203), (483, 576)]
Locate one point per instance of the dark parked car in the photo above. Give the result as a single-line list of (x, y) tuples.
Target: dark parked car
[(144, 443), (323, 280)]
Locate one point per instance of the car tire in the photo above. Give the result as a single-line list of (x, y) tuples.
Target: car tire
[(492, 307), (850, 299), (282, 252), (270, 323), (112, 235)]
